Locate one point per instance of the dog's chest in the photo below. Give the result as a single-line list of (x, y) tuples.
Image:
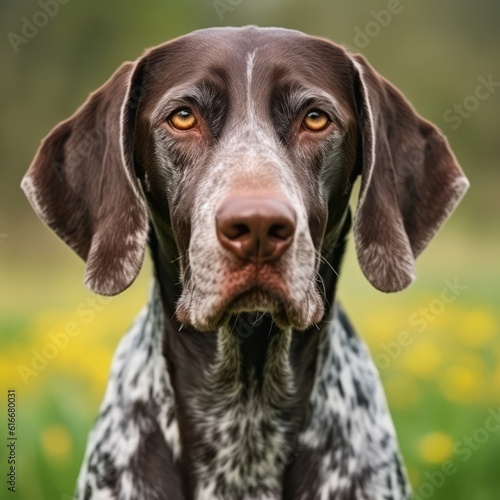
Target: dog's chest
[(246, 440), (241, 452), (243, 430)]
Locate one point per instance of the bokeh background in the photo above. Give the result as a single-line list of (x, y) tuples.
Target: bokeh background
[(439, 359)]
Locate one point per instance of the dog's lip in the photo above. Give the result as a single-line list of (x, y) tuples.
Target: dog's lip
[(274, 297), (248, 291), (278, 305)]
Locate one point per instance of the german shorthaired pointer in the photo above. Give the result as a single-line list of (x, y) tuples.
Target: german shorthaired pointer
[(232, 152)]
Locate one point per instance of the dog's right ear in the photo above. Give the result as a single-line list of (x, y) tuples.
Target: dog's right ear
[(82, 185)]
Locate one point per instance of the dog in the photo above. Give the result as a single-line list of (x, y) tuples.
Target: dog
[(232, 153)]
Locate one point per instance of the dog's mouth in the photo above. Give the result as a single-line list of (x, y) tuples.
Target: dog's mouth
[(257, 296), (252, 299), (255, 299)]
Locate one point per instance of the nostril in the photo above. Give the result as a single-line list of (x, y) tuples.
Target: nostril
[(280, 231), (235, 231)]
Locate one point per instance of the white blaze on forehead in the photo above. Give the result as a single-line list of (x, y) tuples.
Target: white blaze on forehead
[(250, 66)]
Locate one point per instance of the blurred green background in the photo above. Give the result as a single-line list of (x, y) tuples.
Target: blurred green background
[(439, 360)]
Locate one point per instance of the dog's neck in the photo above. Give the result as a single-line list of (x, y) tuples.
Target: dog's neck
[(247, 374)]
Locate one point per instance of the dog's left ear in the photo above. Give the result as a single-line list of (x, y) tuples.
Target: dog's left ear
[(410, 182), (83, 186)]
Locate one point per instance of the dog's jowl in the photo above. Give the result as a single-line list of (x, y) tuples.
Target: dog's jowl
[(232, 154)]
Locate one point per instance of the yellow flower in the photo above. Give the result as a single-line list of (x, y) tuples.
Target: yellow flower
[(422, 359), (476, 328), (436, 447), (382, 326), (461, 384), (56, 442)]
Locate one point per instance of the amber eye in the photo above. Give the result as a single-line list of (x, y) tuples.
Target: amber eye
[(182, 119), (316, 121)]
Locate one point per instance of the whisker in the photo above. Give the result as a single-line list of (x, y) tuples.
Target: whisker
[(178, 258), (322, 281), (325, 296), (235, 322), (322, 259), (270, 329), (258, 319)]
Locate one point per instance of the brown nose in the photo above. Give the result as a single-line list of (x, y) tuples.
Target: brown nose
[(255, 228)]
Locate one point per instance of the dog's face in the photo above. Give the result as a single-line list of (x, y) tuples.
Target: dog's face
[(246, 119), (241, 147)]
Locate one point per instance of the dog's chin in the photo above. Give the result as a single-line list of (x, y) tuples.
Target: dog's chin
[(254, 300), (284, 312)]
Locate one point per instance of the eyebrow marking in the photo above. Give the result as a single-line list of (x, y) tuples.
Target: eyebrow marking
[(297, 96), (201, 92)]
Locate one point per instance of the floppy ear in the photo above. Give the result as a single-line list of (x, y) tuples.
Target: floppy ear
[(410, 182), (83, 186)]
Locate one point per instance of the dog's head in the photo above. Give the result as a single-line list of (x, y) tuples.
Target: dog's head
[(240, 147)]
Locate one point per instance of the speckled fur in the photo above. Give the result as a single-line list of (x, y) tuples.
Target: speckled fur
[(139, 400), (348, 435)]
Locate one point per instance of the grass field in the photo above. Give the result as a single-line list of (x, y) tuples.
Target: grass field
[(436, 345)]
